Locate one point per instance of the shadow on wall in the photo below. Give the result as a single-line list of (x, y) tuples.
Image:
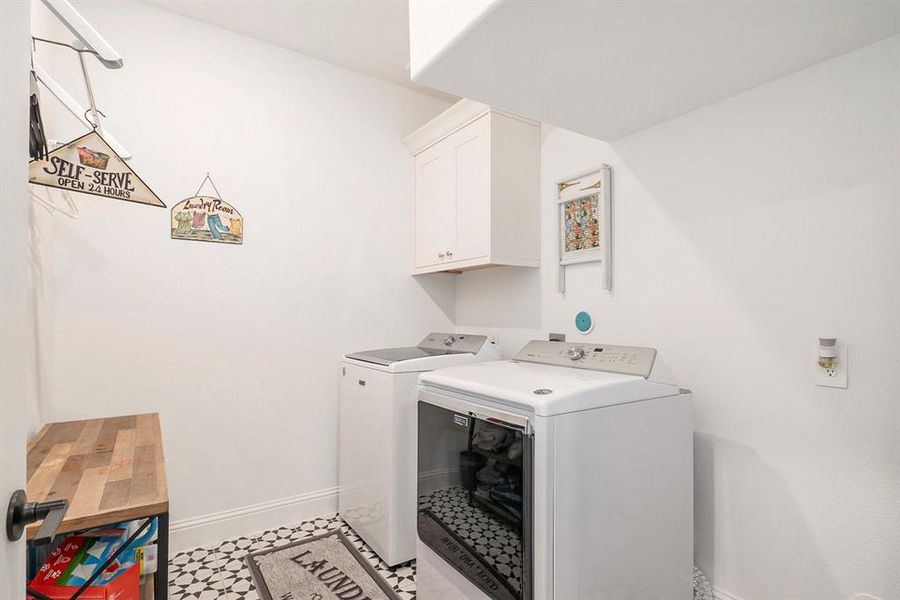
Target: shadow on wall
[(500, 297), (439, 287), (760, 491)]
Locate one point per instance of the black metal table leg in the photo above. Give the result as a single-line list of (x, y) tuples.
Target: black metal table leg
[(161, 579)]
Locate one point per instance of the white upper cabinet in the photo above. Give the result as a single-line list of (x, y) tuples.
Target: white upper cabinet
[(476, 204)]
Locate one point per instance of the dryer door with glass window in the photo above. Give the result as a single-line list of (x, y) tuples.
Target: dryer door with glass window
[(475, 493)]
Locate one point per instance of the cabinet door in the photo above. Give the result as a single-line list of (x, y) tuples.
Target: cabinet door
[(471, 148), (434, 205)]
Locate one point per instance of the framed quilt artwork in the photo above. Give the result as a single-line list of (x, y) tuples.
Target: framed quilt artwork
[(585, 212)]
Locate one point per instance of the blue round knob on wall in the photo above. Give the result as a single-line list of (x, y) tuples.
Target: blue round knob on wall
[(584, 323)]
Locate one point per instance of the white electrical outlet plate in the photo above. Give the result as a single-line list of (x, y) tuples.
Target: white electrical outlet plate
[(836, 377)]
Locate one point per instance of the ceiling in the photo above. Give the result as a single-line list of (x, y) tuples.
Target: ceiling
[(371, 37), (608, 69), (605, 69)]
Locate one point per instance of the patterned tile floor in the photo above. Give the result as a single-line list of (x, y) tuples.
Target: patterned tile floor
[(497, 542), (220, 573)]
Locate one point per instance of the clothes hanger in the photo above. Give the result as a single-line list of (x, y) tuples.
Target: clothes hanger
[(77, 110), (70, 211)]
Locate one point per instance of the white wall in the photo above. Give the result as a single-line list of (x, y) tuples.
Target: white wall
[(237, 347), (742, 232)]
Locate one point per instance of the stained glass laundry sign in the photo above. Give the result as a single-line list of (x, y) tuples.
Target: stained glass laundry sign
[(206, 218)]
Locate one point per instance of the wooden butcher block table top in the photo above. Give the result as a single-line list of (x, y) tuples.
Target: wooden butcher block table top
[(109, 470)]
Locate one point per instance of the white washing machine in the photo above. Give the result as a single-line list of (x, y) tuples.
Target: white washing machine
[(563, 474), (378, 436)]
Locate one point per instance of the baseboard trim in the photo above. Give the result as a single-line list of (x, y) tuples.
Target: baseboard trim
[(723, 595), (212, 528)]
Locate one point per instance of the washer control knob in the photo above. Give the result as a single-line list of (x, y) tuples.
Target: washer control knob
[(449, 340), (575, 353)]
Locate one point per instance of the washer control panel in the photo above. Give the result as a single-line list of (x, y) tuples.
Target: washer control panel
[(627, 360), (453, 342)]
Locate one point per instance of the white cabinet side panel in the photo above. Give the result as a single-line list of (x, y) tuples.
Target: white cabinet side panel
[(515, 187)]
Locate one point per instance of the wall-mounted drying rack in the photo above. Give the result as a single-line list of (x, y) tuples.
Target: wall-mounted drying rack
[(89, 41), (86, 34)]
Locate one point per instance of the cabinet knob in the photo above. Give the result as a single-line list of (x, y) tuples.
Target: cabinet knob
[(449, 254), (440, 255)]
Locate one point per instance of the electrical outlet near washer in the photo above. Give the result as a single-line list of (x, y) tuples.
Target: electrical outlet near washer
[(836, 375)]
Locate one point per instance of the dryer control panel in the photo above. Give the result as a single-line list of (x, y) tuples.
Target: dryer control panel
[(627, 360), (453, 342)]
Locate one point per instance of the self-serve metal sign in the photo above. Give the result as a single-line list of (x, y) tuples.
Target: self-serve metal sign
[(88, 165)]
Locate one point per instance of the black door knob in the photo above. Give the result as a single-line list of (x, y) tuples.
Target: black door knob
[(21, 513)]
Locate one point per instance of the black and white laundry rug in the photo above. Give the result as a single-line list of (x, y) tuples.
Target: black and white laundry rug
[(325, 566)]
